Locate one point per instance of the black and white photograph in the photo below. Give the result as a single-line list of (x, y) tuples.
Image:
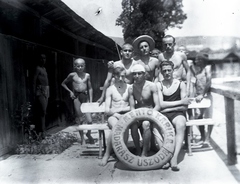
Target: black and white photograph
[(119, 91)]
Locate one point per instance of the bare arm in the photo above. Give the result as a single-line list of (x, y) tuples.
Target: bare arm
[(65, 82), (90, 89), (188, 73), (108, 102), (105, 86), (131, 98), (157, 71), (208, 84), (35, 80), (178, 108), (155, 97)]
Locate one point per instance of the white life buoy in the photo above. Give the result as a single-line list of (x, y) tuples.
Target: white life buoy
[(155, 161)]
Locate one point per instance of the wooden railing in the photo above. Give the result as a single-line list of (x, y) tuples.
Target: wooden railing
[(230, 94)]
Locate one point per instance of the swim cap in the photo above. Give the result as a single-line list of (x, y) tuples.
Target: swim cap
[(138, 68)]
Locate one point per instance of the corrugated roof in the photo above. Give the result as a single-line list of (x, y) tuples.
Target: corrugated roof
[(60, 15)]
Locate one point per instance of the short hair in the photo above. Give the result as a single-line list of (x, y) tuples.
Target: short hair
[(157, 50), (78, 59), (170, 36), (125, 44), (166, 63), (118, 70)]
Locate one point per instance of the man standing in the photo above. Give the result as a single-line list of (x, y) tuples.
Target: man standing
[(179, 60), (174, 102), (41, 95), (126, 62), (142, 46), (146, 95)]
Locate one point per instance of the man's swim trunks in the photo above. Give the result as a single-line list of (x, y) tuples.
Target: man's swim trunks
[(42, 90), (82, 96)]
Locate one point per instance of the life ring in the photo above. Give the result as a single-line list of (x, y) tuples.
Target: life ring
[(155, 161)]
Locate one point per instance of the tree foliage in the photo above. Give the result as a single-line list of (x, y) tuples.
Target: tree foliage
[(151, 17)]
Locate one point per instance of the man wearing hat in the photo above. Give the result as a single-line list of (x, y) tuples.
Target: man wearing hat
[(142, 46), (179, 60), (142, 93)]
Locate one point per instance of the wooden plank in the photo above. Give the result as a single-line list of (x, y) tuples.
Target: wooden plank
[(226, 91), (205, 103), (93, 127), (200, 122), (230, 127), (92, 107)]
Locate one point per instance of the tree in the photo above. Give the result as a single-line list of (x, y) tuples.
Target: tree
[(151, 17)]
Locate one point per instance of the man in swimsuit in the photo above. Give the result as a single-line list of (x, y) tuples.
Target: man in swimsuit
[(146, 95), (142, 46), (41, 93), (179, 60), (126, 62), (82, 92), (116, 104), (174, 103)]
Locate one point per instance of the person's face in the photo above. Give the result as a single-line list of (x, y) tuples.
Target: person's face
[(168, 44), (155, 53), (43, 59), (120, 77), (79, 65), (167, 72), (199, 62), (138, 76), (127, 51), (144, 48), (183, 50)]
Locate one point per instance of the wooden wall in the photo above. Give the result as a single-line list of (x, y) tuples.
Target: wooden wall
[(18, 60)]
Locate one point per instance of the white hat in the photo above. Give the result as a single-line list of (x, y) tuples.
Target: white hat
[(138, 68), (142, 38)]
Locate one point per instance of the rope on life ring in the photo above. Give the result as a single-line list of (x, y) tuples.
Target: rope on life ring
[(155, 161)]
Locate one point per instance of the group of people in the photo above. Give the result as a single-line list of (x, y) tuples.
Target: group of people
[(162, 81)]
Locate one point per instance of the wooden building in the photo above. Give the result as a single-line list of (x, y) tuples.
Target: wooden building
[(31, 27)]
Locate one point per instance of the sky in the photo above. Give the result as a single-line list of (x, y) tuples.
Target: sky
[(205, 17)]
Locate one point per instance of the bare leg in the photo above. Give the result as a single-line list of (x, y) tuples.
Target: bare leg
[(202, 127), (88, 134), (42, 103), (157, 137), (135, 137), (112, 122), (77, 105), (179, 123), (208, 114), (146, 137)]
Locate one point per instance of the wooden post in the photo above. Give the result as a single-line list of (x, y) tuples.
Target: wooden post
[(230, 127)]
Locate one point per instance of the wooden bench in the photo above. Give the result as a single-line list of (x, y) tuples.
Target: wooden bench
[(95, 108), (205, 103)]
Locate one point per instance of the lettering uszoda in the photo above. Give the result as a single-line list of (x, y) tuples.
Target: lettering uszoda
[(159, 157)]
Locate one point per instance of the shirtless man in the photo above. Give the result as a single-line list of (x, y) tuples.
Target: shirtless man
[(142, 46), (126, 62), (179, 60), (146, 95), (82, 92), (41, 94), (116, 103), (174, 102)]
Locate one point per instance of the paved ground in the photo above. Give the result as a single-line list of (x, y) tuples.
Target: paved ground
[(78, 164)]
